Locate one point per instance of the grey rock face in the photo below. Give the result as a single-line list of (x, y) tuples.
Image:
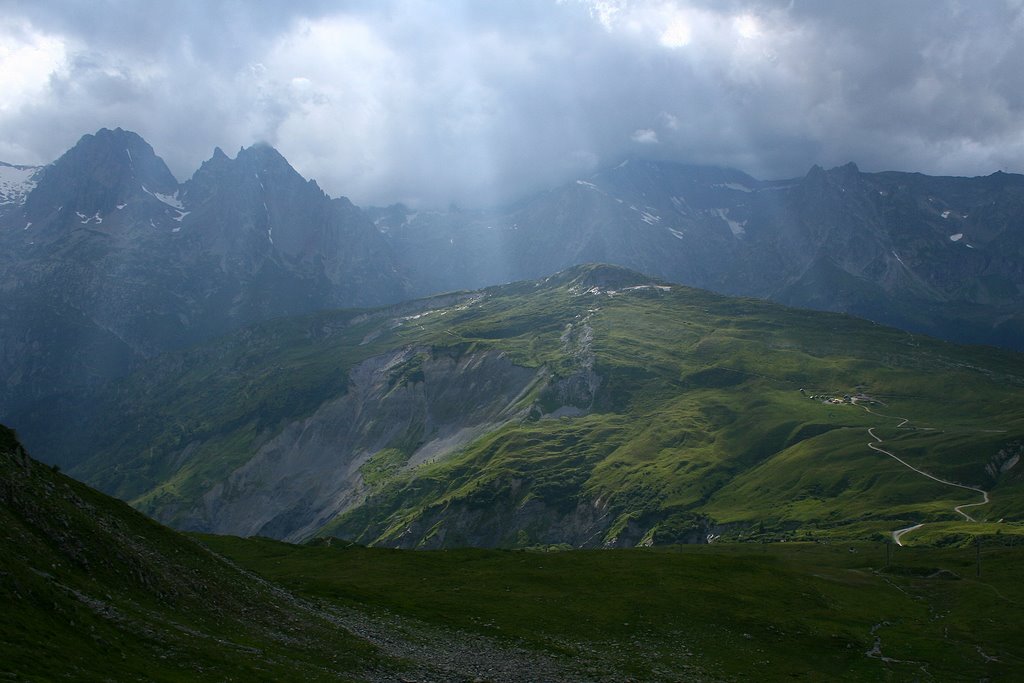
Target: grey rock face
[(409, 400)]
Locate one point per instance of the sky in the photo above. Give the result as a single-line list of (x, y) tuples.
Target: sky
[(475, 102)]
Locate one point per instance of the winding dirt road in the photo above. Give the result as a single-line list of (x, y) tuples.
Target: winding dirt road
[(897, 535)]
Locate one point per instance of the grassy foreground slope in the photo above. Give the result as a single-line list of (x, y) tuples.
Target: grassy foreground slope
[(654, 415), (739, 612), (93, 590)]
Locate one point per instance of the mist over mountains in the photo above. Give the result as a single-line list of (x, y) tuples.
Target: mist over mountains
[(109, 262), (108, 259)]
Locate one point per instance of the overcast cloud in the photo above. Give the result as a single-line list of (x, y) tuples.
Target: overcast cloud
[(430, 102)]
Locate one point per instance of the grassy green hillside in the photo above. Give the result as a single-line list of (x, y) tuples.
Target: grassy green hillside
[(741, 612), (699, 424), (93, 590), (653, 415)]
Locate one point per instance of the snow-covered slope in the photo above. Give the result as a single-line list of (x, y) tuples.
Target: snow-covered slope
[(16, 182)]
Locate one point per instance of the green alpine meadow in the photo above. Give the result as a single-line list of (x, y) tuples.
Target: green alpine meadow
[(597, 408)]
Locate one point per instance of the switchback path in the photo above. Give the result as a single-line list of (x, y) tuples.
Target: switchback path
[(898, 534), (959, 509)]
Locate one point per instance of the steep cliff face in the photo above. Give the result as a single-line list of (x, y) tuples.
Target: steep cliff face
[(405, 408)]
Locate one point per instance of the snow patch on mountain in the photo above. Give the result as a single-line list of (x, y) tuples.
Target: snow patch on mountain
[(957, 237), (645, 215), (16, 182), (945, 214), (738, 228), (170, 200), (659, 288), (649, 218), (734, 186), (439, 311), (86, 220), (680, 204), (596, 290)]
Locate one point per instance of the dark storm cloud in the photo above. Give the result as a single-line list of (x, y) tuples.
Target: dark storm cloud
[(431, 102)]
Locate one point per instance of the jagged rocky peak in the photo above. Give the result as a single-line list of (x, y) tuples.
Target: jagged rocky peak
[(217, 161), (1003, 180), (263, 154), (257, 169), (101, 172), (269, 163), (264, 160), (846, 173), (814, 171)]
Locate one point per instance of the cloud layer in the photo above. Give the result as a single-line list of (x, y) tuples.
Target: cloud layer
[(432, 102)]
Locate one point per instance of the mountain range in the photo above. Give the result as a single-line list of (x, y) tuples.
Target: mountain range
[(194, 348), (940, 256), (630, 362), (108, 260)]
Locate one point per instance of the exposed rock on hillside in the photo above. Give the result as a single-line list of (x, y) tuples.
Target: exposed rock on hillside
[(400, 411)]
